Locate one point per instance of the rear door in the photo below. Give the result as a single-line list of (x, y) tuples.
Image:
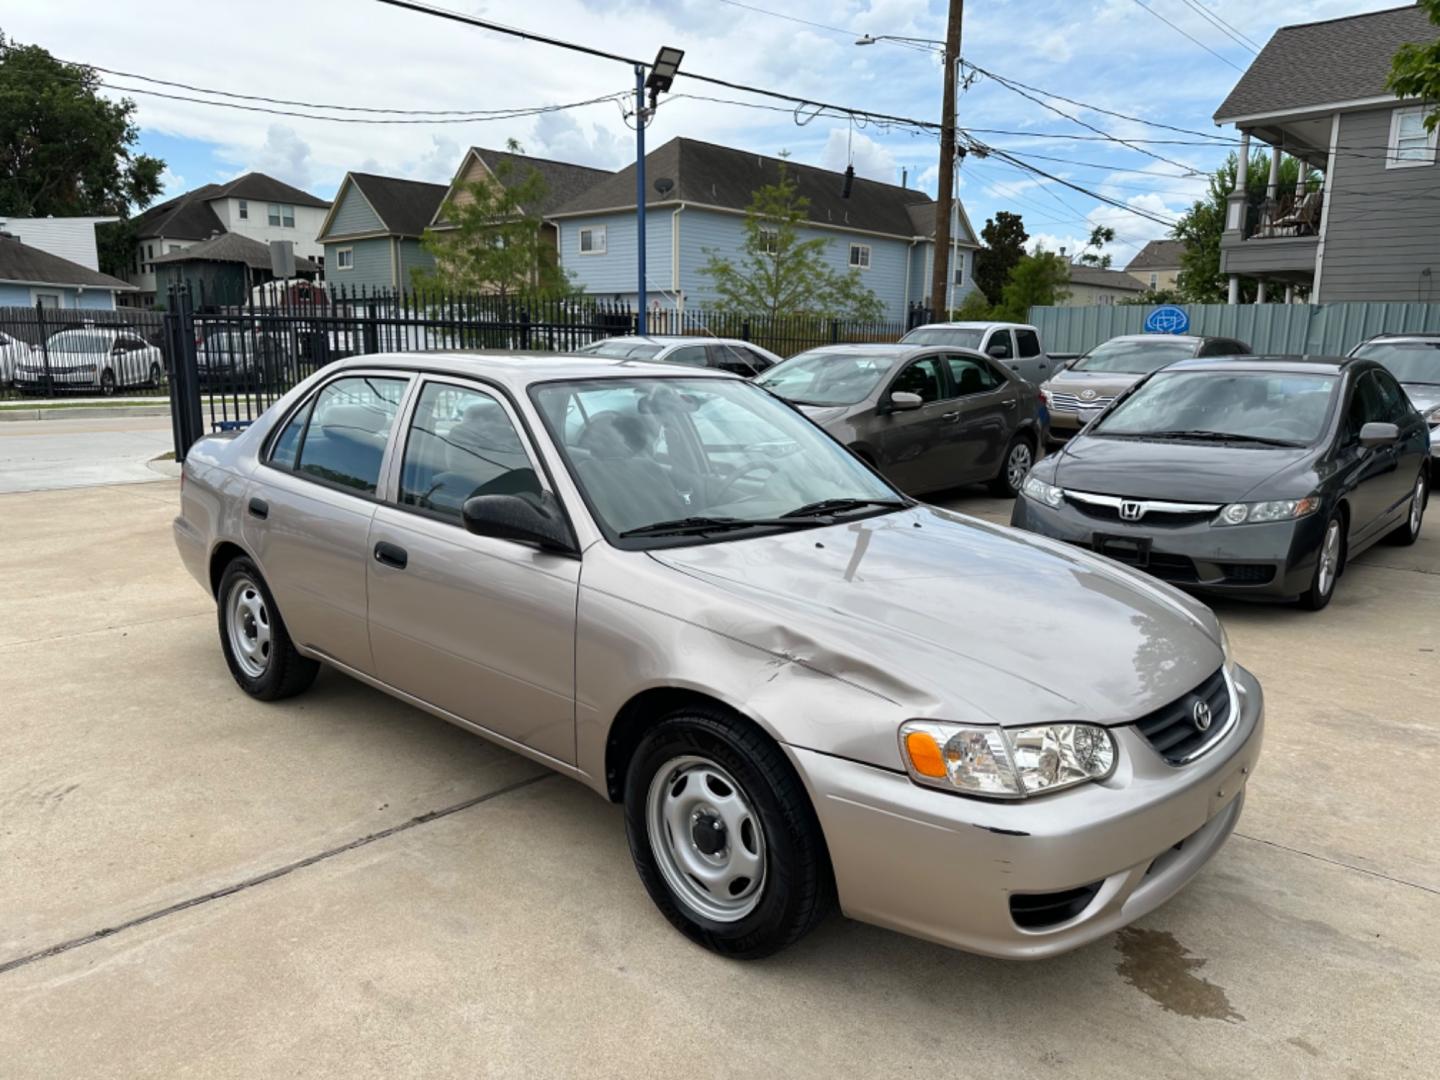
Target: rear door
[(1030, 363), (988, 406), (688, 355), (919, 448)]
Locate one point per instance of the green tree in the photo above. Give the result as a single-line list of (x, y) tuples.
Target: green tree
[(974, 308), (1415, 70), (1004, 236), (67, 151), (1200, 280), (1038, 280), (1090, 254), (494, 241), (779, 273)]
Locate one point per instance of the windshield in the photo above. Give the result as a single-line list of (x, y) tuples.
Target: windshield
[(1134, 357), (623, 350), (1408, 361), (692, 451), (80, 341), (954, 336), (1234, 405), (828, 378)]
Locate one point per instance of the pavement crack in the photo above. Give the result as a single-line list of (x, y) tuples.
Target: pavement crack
[(1332, 862), (269, 875)]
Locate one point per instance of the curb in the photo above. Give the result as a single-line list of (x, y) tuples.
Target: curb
[(81, 412)]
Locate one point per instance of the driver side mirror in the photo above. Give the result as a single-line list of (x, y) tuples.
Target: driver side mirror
[(527, 518), (904, 400), (998, 351), (1378, 433)]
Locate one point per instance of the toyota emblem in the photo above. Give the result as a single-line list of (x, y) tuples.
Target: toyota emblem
[(1200, 713), (1087, 395), (1131, 511)]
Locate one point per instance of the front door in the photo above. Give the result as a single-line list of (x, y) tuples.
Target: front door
[(1375, 479), (918, 448), (480, 627), (307, 512), (988, 404)]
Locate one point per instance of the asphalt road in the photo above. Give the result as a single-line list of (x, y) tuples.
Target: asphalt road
[(192, 883), (44, 455)]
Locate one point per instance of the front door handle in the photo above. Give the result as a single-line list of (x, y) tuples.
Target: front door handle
[(259, 508), (391, 555), (951, 417)]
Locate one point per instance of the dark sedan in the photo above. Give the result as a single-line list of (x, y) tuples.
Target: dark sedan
[(927, 418), (1253, 476)]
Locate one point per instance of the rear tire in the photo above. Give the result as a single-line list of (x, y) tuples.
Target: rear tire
[(709, 794), (1329, 563), (1019, 457), (257, 647), (107, 383), (1409, 530)]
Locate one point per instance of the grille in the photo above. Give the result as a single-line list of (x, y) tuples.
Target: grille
[(1172, 731), (1247, 573), (1036, 911), (1152, 517), (1072, 403), (1172, 567)]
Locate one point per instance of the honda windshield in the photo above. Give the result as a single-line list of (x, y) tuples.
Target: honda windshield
[(1408, 361), (1225, 406)]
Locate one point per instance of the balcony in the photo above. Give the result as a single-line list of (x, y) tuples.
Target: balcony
[(1276, 238)]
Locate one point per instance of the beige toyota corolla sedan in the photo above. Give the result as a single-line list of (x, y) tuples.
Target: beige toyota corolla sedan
[(670, 585)]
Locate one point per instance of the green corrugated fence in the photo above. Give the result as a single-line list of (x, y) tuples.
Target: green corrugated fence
[(1321, 329)]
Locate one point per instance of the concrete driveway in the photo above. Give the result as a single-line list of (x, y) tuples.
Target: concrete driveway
[(192, 883), (43, 455)]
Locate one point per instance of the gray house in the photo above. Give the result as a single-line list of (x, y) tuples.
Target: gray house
[(1369, 228), (372, 234)]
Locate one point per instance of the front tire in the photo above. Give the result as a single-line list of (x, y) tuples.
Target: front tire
[(1328, 565), (723, 835), (1409, 531), (257, 647), (1016, 464), (107, 383)]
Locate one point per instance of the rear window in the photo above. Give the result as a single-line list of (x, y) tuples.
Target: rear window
[(623, 350), (954, 336)]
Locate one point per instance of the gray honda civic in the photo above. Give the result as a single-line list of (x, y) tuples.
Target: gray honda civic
[(1258, 476)]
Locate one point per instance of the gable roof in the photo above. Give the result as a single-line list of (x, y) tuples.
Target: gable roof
[(1158, 255), (26, 265), (405, 207), (1101, 278), (1324, 63), (190, 217), (724, 177), (233, 248), (562, 180)]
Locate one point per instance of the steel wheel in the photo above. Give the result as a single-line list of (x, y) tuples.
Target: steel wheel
[(247, 621), (707, 838), (1329, 559), (1018, 464)]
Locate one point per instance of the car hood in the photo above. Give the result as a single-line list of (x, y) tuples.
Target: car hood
[(825, 414), (1104, 383), (952, 617), (1175, 471)]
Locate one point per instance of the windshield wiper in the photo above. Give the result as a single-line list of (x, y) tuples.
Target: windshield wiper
[(699, 525), (1215, 436), (826, 507)]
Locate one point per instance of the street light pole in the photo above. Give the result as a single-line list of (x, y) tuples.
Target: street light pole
[(945, 182), (640, 299)]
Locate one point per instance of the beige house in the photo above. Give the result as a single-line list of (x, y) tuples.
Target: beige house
[(1092, 285), (1157, 264)]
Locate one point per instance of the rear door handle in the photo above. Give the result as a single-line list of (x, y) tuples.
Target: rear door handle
[(1009, 404), (391, 555), (259, 508)]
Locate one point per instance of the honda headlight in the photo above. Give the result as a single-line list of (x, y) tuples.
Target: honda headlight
[(1040, 491), (1258, 513), (1005, 763)]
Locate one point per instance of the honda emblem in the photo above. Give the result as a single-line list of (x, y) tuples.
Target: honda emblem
[(1131, 510)]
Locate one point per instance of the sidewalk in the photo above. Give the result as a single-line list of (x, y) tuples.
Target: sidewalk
[(72, 452)]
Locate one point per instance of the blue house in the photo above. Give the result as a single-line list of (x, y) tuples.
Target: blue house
[(696, 198), (29, 276), (371, 235)]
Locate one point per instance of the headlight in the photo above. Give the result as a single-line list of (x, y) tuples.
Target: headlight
[(1005, 763), (1040, 491), (1433, 417), (1259, 512)]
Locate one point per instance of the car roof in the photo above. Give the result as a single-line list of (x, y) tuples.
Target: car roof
[(974, 324), (1193, 339), (1421, 336), (1298, 364), (670, 339), (520, 370)]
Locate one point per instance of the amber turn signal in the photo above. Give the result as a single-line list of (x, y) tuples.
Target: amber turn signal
[(925, 756)]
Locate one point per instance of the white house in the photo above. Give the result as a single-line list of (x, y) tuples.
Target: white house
[(70, 238)]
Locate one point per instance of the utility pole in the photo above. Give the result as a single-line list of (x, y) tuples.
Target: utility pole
[(945, 182), (640, 117)]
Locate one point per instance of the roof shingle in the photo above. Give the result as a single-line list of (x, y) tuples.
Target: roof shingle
[(1158, 255), (1103, 278), (405, 207), (29, 265), (189, 216), (233, 248)]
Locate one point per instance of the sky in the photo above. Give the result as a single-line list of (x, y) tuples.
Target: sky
[(1106, 54)]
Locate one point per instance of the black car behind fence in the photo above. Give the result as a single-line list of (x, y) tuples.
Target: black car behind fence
[(221, 367)]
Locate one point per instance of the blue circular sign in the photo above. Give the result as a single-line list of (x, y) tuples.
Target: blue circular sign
[(1167, 320)]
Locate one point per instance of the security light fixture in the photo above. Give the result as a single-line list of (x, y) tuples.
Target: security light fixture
[(662, 72)]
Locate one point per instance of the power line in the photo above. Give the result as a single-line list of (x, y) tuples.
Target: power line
[(1187, 34), (1224, 27), (824, 26)]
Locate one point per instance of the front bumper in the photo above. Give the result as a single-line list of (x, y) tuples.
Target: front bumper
[(1275, 560), (26, 379), (944, 867), (1065, 424)]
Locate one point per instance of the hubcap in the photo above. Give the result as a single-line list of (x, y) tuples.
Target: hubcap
[(1019, 465), (1329, 558), (247, 621), (1417, 506), (707, 838)]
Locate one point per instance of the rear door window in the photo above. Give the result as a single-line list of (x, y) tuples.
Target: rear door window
[(344, 443), (689, 355), (970, 375), (1027, 342)]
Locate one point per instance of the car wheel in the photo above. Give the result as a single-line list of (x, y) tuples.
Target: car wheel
[(157, 374), (1018, 459), (257, 647), (724, 836), (107, 383), (1409, 531), (1328, 565)]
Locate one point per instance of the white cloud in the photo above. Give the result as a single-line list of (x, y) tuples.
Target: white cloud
[(283, 155), (560, 136), (171, 183), (872, 160)]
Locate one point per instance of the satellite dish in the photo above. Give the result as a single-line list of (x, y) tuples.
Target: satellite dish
[(664, 185)]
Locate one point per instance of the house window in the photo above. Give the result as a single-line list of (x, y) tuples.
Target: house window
[(344, 258), (592, 241), (244, 210), (1154, 281), (1410, 143), (959, 271), (149, 251), (171, 249), (1105, 299), (769, 241), (287, 216), (860, 256), (47, 299)]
